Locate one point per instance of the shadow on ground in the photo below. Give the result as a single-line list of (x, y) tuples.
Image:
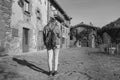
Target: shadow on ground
[(30, 65)]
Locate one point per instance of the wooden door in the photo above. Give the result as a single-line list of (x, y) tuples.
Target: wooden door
[(25, 40)]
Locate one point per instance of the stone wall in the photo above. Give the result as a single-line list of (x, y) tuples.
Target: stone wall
[(5, 30), (106, 38)]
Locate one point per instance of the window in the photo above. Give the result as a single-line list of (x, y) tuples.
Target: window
[(38, 14), (63, 40), (27, 7), (14, 32), (63, 29)]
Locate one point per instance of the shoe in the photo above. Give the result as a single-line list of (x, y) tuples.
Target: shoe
[(50, 73), (54, 73)]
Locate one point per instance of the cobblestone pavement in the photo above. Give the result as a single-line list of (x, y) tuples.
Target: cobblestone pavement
[(74, 64)]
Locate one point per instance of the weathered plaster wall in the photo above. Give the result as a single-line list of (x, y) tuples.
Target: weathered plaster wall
[(18, 21), (39, 25), (5, 30)]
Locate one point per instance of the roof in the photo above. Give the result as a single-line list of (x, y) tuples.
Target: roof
[(113, 25), (56, 5), (85, 26), (59, 18), (113, 29)]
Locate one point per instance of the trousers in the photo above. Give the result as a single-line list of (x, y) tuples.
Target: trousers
[(53, 55)]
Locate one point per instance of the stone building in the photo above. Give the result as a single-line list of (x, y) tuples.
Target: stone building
[(22, 22), (5, 14), (63, 21), (84, 35), (111, 37)]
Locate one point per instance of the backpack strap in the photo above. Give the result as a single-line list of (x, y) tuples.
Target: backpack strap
[(53, 27)]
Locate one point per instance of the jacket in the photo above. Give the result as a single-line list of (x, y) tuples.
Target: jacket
[(56, 30)]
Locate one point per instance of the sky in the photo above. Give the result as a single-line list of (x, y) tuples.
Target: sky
[(99, 12)]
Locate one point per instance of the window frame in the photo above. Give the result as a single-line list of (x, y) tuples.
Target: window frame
[(38, 14), (27, 8)]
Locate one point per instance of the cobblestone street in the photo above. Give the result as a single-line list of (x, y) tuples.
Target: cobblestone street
[(74, 64)]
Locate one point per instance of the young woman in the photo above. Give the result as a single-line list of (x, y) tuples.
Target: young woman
[(53, 47)]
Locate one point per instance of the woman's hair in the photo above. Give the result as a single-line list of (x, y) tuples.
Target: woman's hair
[(52, 19)]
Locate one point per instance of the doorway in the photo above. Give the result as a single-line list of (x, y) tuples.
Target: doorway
[(25, 42)]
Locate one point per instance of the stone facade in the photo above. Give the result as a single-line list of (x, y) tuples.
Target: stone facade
[(22, 24), (65, 37), (5, 30), (64, 24), (106, 38), (84, 35)]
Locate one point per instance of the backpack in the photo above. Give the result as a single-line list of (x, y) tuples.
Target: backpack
[(50, 39)]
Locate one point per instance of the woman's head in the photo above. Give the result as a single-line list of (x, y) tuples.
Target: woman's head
[(52, 19)]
